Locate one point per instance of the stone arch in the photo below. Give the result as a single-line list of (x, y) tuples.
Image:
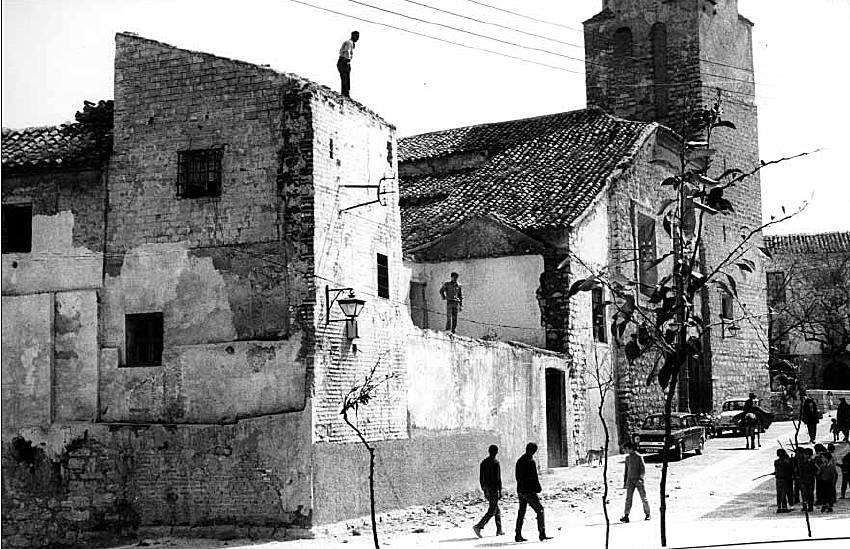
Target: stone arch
[(623, 69)]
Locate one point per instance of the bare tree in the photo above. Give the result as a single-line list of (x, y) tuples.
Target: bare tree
[(603, 375), (669, 325), (360, 395)]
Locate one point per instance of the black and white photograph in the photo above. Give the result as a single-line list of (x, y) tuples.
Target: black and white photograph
[(440, 274)]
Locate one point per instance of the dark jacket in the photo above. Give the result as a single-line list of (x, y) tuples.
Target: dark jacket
[(526, 476), (842, 415), (810, 412), (783, 468), (490, 475), (807, 471), (452, 292)]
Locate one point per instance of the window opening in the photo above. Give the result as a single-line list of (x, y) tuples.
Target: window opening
[(646, 252), (17, 228), (390, 153), (598, 312), (199, 173), (659, 68), (383, 276), (775, 288), (143, 334)]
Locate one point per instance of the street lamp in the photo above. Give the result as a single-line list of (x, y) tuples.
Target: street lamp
[(350, 306)]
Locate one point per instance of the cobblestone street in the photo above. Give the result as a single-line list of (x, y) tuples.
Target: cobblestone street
[(712, 499)]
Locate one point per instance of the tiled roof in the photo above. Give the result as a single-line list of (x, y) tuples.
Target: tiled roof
[(86, 143), (539, 173), (808, 243)]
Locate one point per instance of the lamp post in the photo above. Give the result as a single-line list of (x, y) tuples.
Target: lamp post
[(350, 306)]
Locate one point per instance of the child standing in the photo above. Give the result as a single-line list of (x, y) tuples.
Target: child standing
[(807, 472), (783, 468), (833, 428)]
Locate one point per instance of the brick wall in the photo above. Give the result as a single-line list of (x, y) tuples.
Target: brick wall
[(352, 146)]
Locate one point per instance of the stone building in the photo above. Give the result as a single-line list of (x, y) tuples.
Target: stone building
[(523, 208), (170, 358), (808, 295)]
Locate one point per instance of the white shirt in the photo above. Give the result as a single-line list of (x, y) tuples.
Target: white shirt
[(347, 49)]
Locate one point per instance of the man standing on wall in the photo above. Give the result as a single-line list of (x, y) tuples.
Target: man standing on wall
[(452, 293), (346, 52), (527, 488), (490, 477)]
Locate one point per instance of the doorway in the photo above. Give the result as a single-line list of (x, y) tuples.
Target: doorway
[(556, 413)]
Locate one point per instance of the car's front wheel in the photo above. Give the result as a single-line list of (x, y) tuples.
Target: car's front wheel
[(679, 452), (700, 446)]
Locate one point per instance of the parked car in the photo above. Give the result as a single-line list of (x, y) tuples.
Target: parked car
[(732, 407), (686, 435)]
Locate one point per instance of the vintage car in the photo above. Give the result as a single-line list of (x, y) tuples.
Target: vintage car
[(685, 433), (732, 407)]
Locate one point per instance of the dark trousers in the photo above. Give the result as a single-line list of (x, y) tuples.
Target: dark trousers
[(845, 481), (807, 490), (813, 430), (846, 432), (344, 68), (451, 315), (492, 511), (525, 500), (783, 493), (826, 492)]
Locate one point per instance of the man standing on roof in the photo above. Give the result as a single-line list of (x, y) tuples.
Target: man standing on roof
[(346, 52), (452, 293)]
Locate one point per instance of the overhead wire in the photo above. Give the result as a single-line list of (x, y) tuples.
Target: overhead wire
[(467, 46), (542, 50)]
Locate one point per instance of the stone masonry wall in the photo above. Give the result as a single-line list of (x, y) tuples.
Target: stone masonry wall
[(85, 484)]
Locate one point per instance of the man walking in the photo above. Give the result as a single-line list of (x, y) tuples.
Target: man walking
[(343, 65), (842, 417), (452, 293), (633, 479), (527, 488), (490, 478), (810, 417)]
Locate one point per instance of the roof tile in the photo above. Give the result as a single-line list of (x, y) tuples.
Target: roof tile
[(539, 172)]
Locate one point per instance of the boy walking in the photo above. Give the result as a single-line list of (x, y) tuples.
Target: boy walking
[(452, 293), (633, 479), (490, 478)]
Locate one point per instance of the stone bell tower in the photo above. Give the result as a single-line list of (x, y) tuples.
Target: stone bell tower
[(655, 60)]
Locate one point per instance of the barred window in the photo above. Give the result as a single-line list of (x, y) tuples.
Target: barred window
[(646, 246), (726, 308), (17, 228), (143, 334), (199, 173)]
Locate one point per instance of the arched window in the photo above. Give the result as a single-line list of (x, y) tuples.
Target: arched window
[(659, 68), (623, 43)]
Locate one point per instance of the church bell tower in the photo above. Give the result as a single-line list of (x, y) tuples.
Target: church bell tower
[(656, 60)]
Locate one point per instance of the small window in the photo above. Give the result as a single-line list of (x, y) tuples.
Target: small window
[(331, 148), (390, 153), (775, 288), (199, 173), (599, 332), (17, 228), (726, 310), (143, 339), (383, 276), (646, 252)]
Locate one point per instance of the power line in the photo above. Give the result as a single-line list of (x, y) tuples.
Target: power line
[(515, 44), (495, 24), (484, 36), (435, 37), (525, 16)]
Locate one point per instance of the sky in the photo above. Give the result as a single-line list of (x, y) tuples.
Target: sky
[(57, 53)]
